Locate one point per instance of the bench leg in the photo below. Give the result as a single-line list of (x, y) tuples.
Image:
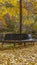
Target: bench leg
[(24, 43), (33, 43), (14, 44), (2, 44)]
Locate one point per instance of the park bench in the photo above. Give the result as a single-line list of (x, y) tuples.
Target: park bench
[(17, 38)]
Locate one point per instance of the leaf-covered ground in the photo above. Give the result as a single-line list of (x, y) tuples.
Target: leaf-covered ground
[(23, 55)]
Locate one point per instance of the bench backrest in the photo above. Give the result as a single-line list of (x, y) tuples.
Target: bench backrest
[(16, 36)]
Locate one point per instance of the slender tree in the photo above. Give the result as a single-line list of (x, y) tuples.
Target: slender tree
[(20, 17)]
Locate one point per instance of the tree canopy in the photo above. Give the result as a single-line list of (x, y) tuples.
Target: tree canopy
[(10, 14)]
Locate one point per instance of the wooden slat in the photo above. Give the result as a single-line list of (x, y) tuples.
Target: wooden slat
[(18, 41)]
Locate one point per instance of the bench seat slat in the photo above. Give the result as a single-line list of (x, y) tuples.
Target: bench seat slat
[(18, 41)]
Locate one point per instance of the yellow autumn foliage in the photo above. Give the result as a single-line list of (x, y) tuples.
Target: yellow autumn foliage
[(15, 10)]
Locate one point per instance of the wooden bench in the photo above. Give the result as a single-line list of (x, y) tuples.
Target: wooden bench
[(16, 38)]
